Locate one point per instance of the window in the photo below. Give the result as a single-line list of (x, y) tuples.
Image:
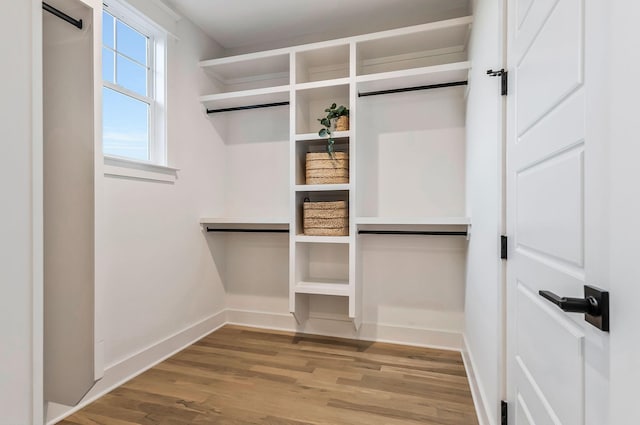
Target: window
[(133, 52)]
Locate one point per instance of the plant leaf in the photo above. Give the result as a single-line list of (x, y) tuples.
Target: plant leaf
[(322, 132)]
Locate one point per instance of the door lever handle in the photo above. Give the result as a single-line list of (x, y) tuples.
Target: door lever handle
[(573, 305), (594, 305)]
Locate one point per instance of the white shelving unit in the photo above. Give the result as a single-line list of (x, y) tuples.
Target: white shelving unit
[(310, 78)]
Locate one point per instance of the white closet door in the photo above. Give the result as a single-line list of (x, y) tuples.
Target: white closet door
[(558, 363)]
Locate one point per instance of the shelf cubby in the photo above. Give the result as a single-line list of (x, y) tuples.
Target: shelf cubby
[(414, 47), (250, 71), (312, 99), (323, 268), (316, 196), (326, 63), (316, 145)]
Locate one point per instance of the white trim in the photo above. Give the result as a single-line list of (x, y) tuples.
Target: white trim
[(137, 363), (156, 75), (130, 93), (378, 332), (37, 217), (129, 168), (477, 393)]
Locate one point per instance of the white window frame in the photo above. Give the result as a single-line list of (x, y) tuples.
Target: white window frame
[(156, 80)]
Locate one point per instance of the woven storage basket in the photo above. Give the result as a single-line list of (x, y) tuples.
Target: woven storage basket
[(342, 123), (321, 168), (326, 218)]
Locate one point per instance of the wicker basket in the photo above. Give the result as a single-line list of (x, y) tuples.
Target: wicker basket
[(326, 218), (342, 123), (321, 168)]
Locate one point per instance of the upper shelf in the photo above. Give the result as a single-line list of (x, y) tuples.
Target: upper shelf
[(250, 68), (418, 77), (420, 55), (430, 44), (246, 98)]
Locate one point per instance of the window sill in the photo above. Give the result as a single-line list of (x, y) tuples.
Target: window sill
[(140, 170)]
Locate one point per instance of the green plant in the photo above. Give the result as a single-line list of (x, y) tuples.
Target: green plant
[(333, 112)]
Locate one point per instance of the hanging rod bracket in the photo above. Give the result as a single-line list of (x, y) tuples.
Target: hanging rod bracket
[(60, 14), (407, 89), (243, 108), (504, 79)]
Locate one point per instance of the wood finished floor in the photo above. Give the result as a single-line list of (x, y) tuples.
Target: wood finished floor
[(240, 376)]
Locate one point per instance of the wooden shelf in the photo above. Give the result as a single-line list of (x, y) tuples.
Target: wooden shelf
[(246, 98), (322, 239), (323, 287), (416, 77)]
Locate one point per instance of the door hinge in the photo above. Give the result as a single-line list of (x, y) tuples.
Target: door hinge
[(504, 419), (504, 79), (503, 247)]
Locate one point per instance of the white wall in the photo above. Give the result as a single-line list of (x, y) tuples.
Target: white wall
[(18, 285), (483, 300), (625, 209), (160, 275), (69, 207)]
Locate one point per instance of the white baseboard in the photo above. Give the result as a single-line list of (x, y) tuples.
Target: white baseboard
[(479, 400), (136, 364), (339, 328)]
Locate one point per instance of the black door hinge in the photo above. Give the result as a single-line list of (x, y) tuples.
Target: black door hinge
[(503, 247), (504, 419), (504, 79)]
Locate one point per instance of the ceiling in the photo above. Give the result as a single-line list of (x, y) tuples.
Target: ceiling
[(245, 25)]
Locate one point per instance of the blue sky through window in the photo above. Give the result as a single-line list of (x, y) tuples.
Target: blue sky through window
[(125, 130)]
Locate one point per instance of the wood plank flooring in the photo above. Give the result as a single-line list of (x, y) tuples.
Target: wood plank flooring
[(240, 375)]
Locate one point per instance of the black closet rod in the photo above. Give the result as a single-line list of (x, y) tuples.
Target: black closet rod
[(406, 89), (405, 232), (242, 108), (75, 22), (248, 230)]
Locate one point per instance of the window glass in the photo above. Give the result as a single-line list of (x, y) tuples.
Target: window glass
[(131, 75), (131, 43), (133, 119), (108, 65), (107, 30), (125, 130)]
